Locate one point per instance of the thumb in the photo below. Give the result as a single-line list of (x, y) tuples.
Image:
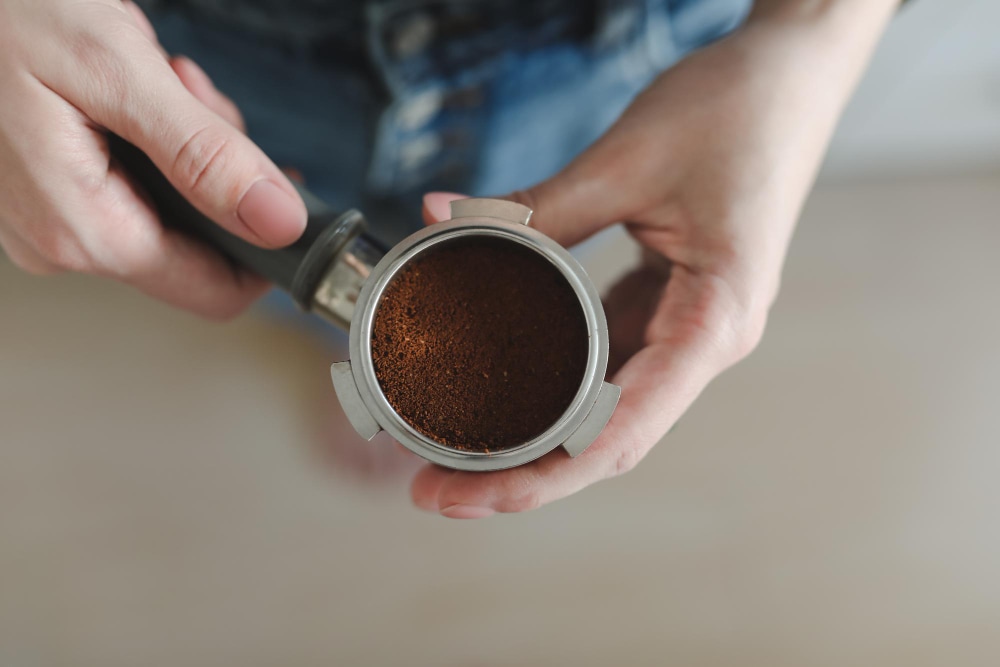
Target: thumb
[(569, 207), (218, 169)]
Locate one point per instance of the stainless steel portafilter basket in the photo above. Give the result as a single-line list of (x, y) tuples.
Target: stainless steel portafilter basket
[(339, 272), (358, 387)]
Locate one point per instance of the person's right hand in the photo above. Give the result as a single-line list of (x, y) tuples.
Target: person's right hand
[(73, 70)]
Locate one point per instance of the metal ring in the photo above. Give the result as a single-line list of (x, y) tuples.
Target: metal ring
[(363, 368)]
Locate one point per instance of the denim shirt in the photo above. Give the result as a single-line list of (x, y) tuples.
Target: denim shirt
[(378, 101)]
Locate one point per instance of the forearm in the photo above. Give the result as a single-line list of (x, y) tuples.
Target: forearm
[(821, 47), (802, 60), (754, 114), (745, 122)]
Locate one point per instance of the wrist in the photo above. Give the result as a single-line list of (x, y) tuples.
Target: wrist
[(821, 46)]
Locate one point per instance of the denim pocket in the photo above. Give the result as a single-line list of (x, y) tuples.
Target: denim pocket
[(440, 62), (485, 95)]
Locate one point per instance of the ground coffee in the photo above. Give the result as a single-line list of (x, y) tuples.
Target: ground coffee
[(480, 343)]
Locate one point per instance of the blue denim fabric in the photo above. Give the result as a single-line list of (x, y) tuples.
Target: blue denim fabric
[(493, 110), (499, 110)]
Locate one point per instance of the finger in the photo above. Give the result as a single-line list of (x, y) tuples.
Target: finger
[(437, 206), (569, 207), (658, 384), (200, 85), (427, 487), (548, 213), (82, 215), (190, 276), (36, 144), (644, 413), (124, 85), (168, 265), (629, 306)]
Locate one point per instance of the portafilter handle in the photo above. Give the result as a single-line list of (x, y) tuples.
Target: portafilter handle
[(322, 271)]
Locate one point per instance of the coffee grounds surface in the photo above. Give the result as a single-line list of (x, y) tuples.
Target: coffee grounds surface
[(480, 344)]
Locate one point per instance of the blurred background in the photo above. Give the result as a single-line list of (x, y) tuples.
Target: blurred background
[(177, 492)]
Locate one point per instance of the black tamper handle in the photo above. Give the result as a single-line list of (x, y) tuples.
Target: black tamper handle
[(297, 268)]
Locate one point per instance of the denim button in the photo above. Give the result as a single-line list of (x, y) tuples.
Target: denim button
[(420, 109), (416, 152), (412, 35)]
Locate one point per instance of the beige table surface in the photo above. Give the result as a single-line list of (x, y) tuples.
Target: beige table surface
[(179, 493)]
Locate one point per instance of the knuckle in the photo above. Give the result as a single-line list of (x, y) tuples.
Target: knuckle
[(63, 252), (751, 331), (523, 502), (123, 259), (119, 250), (731, 318), (741, 328), (626, 460), (206, 152)]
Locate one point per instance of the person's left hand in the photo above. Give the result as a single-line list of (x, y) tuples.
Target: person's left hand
[(708, 170)]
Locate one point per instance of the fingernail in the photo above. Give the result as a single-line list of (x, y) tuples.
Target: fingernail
[(466, 512), (438, 204), (272, 214)]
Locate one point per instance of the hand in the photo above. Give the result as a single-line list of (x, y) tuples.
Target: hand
[(72, 70), (708, 169)]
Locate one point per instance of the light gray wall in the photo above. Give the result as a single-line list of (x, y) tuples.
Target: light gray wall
[(931, 100)]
